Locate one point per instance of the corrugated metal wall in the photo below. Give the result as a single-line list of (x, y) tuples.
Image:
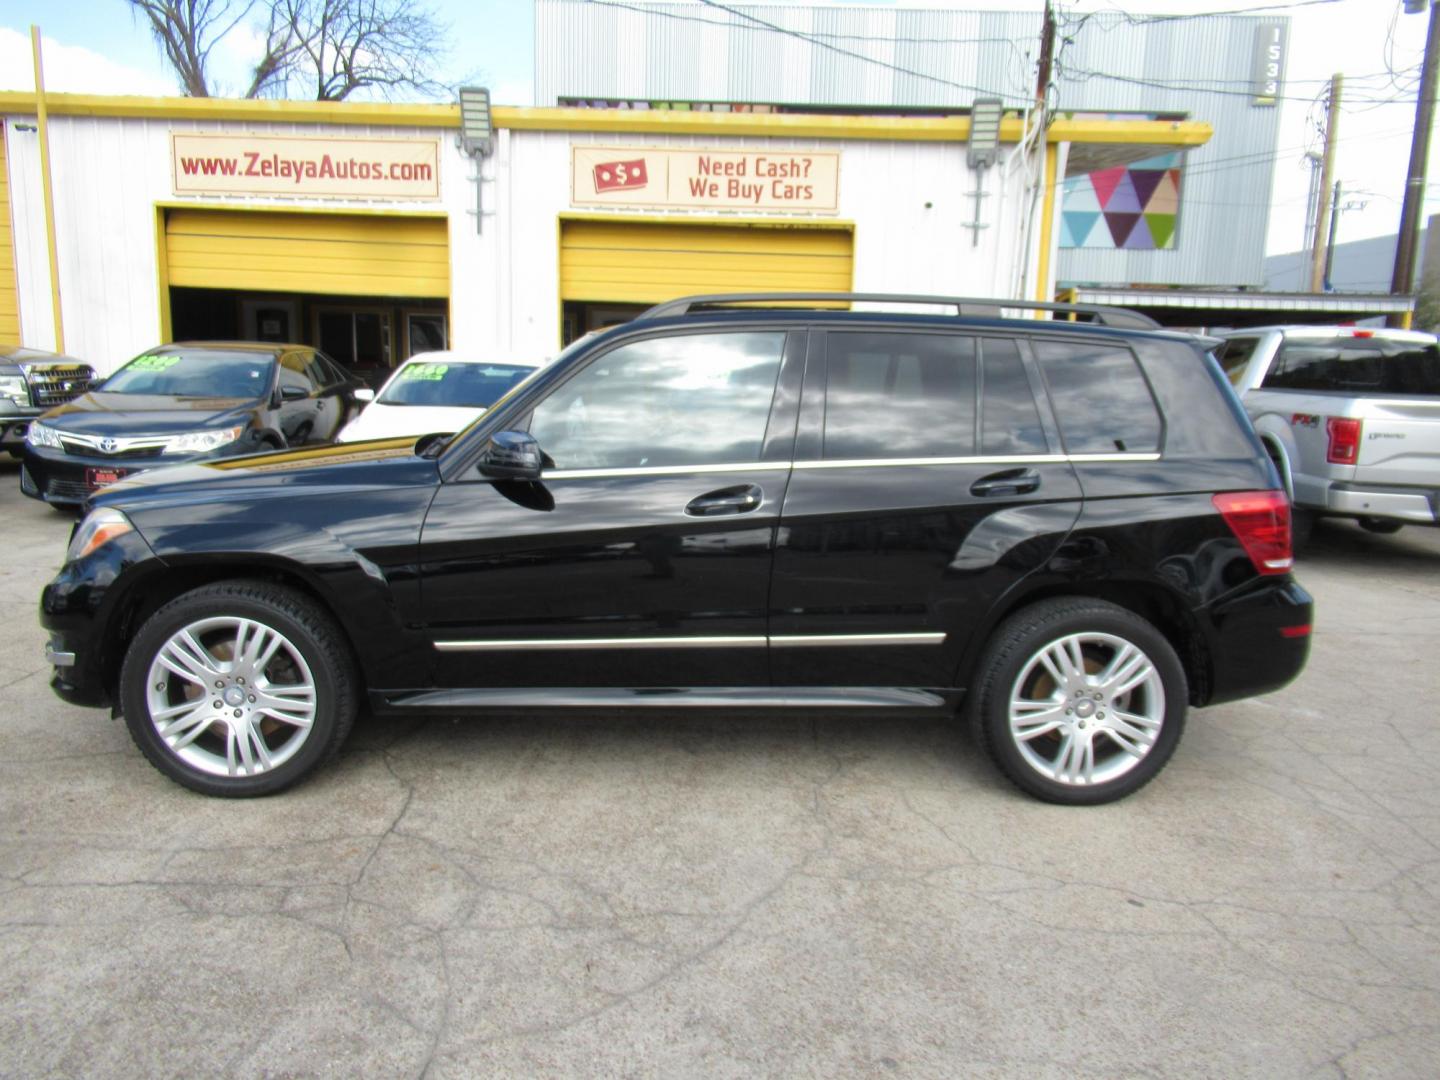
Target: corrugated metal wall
[(691, 52)]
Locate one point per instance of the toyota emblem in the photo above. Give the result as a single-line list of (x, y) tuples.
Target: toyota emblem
[(109, 446)]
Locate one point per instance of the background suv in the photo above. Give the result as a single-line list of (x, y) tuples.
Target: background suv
[(1071, 528)]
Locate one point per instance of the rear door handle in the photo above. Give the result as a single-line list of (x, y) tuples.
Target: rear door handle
[(1009, 482), (740, 499)]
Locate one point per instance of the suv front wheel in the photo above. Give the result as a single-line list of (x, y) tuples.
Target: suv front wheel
[(1080, 701), (238, 688)]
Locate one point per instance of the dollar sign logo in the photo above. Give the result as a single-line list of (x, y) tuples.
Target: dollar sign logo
[(621, 174)]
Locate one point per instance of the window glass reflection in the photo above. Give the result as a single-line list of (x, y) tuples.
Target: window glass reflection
[(1011, 423), (899, 395), (699, 399), (1101, 400)]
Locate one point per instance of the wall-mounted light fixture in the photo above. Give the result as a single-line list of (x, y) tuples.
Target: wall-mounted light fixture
[(476, 137), (985, 117)]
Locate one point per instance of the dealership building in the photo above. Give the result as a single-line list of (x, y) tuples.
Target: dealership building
[(375, 231)]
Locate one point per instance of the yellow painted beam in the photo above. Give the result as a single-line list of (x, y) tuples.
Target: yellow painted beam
[(610, 121), (47, 190), (1047, 225)]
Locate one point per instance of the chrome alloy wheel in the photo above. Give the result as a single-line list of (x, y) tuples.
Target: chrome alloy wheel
[(1086, 708), (231, 696)]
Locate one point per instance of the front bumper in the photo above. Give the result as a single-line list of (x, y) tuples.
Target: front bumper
[(14, 423), (66, 479), (1420, 506), (83, 610)]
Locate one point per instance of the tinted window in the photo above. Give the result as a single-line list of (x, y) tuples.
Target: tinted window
[(699, 399), (302, 369), (1101, 400), (899, 395), (1234, 355), (194, 374), (1356, 365), (443, 382), (1010, 422)]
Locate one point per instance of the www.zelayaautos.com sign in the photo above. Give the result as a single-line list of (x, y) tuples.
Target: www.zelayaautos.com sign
[(213, 164)]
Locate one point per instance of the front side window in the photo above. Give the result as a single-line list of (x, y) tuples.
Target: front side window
[(895, 395), (1356, 365), (1101, 399), (694, 399), (198, 373)]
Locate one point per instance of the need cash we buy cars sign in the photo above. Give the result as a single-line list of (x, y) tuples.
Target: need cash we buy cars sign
[(796, 180)]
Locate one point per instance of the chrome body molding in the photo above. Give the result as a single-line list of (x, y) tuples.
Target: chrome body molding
[(735, 697), (739, 641), (849, 463), (58, 657), (106, 444), (484, 645), (810, 641)]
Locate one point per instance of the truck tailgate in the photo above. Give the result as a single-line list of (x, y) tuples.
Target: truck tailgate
[(1400, 441)]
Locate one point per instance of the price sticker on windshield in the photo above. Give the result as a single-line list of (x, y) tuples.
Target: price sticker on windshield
[(154, 363), (431, 372)]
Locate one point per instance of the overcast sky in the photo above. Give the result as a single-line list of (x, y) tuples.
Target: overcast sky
[(96, 46)]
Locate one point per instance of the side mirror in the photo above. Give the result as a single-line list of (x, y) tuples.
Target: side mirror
[(511, 455), (364, 393), (290, 392)]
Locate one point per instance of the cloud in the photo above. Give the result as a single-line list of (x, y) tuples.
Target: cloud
[(74, 69)]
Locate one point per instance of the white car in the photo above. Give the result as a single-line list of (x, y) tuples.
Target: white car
[(435, 392)]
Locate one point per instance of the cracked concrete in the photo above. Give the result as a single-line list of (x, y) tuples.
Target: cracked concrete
[(770, 895)]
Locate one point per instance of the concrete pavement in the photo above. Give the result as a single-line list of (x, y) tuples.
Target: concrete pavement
[(688, 895)]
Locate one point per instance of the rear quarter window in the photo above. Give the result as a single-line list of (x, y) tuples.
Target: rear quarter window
[(1351, 365), (1101, 398)]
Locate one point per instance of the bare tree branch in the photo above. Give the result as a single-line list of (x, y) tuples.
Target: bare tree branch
[(329, 48)]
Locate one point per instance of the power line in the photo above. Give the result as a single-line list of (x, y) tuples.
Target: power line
[(1254, 9)]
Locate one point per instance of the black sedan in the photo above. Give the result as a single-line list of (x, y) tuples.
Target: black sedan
[(183, 402)]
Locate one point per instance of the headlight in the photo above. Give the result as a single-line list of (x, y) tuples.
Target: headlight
[(98, 529), (202, 442), (13, 387), (40, 435)]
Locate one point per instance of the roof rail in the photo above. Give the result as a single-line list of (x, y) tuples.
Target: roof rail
[(1100, 314)]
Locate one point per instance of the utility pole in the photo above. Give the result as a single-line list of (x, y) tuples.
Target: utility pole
[(1403, 281), (1047, 55), (1327, 172), (1330, 243)]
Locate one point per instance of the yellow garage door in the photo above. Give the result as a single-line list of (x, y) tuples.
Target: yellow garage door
[(334, 254), (638, 263), (9, 298)]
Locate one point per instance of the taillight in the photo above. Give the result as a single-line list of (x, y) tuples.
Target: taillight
[(1260, 520), (1344, 433)]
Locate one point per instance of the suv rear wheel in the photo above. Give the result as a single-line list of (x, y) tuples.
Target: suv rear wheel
[(238, 688), (1080, 701)]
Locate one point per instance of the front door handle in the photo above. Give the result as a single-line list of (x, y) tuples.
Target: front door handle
[(1009, 482), (740, 499)]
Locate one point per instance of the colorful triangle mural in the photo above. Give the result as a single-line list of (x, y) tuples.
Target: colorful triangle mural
[(1139, 204)]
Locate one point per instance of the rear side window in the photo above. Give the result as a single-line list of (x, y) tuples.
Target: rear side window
[(1010, 423), (1101, 399), (899, 396), (1356, 366), (1234, 356)]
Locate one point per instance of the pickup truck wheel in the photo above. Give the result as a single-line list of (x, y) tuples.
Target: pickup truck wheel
[(1080, 701), (239, 688), (1382, 526)]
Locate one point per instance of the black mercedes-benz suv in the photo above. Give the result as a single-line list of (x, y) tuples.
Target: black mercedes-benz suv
[(1067, 529)]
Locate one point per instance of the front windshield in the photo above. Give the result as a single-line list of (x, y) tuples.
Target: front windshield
[(207, 373), (476, 386)]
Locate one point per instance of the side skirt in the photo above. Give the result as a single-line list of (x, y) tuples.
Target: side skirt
[(716, 697)]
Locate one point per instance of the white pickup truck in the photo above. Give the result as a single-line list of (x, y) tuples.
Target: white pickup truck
[(1350, 416)]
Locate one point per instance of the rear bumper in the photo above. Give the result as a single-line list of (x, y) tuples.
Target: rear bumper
[(1260, 640), (1418, 505)]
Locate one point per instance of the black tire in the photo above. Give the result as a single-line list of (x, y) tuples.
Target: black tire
[(1380, 526), (311, 640), (1011, 666)]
